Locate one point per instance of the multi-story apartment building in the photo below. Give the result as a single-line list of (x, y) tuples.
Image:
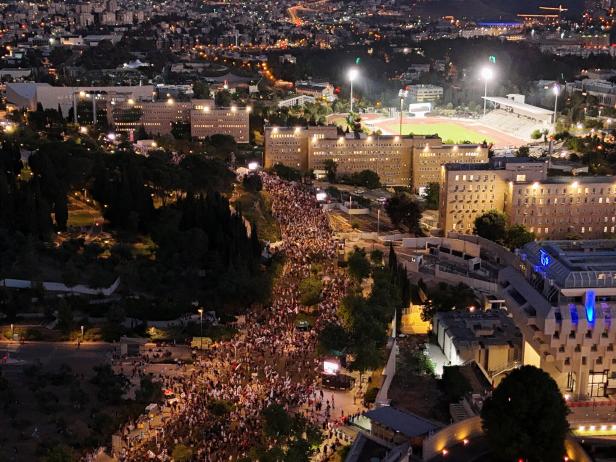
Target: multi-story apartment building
[(398, 160), (289, 146), (562, 295), (389, 157), (430, 153), (550, 207), (207, 120), (204, 117), (469, 190), (422, 93)]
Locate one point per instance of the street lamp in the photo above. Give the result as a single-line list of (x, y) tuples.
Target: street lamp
[(556, 91), (200, 310), (81, 334), (402, 94), (352, 75), (486, 74)]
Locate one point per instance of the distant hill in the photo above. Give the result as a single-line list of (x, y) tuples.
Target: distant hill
[(490, 9)]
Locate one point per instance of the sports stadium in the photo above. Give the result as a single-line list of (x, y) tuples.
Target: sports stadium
[(508, 124)]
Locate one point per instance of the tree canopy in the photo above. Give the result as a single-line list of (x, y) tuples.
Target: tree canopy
[(491, 225), (526, 417), (402, 210)]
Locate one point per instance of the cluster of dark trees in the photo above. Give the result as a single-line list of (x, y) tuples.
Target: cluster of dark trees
[(493, 225), (202, 249), (27, 206), (403, 210), (364, 321)]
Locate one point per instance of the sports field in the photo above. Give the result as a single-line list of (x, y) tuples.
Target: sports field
[(446, 130), (450, 130)]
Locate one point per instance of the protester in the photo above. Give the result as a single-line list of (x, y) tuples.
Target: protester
[(270, 362)]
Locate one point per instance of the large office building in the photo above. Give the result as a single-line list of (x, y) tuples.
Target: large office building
[(562, 295), (550, 207), (398, 160), (29, 95), (204, 117)]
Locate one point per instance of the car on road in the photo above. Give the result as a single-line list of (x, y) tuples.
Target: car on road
[(337, 381)]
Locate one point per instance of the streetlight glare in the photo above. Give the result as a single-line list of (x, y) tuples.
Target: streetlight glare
[(353, 74), (487, 73), (556, 90)]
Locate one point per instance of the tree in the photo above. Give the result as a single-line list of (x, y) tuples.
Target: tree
[(358, 264), (526, 417), (201, 90), (60, 453), (412, 363), (536, 134), (376, 257), (331, 167), (310, 291), (454, 383), (287, 173), (517, 235), (523, 151), (223, 98), (366, 178), (491, 225), (61, 211), (431, 196), (402, 210)]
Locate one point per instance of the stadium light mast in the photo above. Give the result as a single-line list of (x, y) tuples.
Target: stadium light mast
[(556, 91), (402, 94), (486, 74), (352, 76)]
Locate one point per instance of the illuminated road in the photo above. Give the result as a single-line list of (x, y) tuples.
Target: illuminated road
[(294, 10)]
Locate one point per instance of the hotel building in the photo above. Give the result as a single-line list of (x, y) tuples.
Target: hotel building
[(550, 207), (398, 160), (562, 295)]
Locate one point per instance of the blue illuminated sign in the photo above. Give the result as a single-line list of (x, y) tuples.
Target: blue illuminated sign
[(589, 305), (544, 258)]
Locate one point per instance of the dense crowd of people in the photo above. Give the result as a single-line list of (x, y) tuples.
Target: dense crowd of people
[(217, 408)]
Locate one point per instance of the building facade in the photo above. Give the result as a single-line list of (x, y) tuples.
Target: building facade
[(489, 338), (424, 93), (562, 295), (550, 207), (398, 160), (204, 118)]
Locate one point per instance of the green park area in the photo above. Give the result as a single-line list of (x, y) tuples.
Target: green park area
[(446, 130)]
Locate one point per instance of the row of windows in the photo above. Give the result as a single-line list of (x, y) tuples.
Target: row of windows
[(475, 177), (572, 200), (572, 190)]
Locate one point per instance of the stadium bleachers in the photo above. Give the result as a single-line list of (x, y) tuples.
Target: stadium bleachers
[(512, 124)]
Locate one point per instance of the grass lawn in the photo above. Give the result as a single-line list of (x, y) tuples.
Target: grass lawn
[(83, 217), (447, 131)]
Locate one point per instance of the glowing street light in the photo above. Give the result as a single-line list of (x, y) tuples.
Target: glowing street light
[(403, 95), (352, 76), (486, 74), (200, 311), (556, 91)]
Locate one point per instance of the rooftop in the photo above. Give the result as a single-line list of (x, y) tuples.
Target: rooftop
[(410, 425), (574, 264), (519, 106), (491, 327)]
